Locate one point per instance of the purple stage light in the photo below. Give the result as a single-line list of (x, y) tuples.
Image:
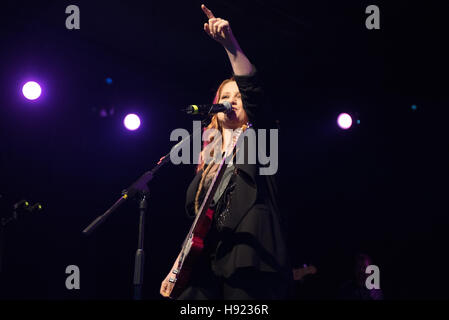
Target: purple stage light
[(31, 90), (344, 121), (132, 122)]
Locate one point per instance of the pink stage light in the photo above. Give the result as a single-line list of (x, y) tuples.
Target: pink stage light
[(344, 121), (31, 90), (132, 122)]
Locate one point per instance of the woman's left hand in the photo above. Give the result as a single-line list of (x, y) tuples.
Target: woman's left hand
[(218, 29)]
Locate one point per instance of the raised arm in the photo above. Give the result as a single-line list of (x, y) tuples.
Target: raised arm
[(220, 30)]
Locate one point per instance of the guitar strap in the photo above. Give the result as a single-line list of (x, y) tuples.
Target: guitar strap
[(224, 183)]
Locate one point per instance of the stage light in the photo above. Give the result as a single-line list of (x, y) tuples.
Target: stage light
[(131, 122), (31, 90), (414, 107), (344, 121), (109, 81)]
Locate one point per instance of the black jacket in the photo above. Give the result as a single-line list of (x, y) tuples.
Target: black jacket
[(253, 236)]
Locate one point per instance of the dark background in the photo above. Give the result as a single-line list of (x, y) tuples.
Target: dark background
[(379, 188)]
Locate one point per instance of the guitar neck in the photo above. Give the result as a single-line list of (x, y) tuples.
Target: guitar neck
[(194, 242)]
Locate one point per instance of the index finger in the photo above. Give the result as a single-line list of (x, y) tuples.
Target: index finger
[(207, 12)]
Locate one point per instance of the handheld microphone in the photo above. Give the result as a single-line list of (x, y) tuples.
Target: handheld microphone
[(225, 107)]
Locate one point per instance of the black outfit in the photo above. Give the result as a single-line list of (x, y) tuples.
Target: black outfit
[(245, 255)]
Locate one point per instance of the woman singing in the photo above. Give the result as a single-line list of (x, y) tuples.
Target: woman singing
[(245, 255)]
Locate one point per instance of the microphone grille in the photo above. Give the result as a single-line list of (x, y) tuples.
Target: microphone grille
[(228, 106)]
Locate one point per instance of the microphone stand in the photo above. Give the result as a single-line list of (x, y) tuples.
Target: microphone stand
[(139, 189)]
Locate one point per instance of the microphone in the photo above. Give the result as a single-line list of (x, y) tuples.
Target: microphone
[(225, 107), (22, 203)]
